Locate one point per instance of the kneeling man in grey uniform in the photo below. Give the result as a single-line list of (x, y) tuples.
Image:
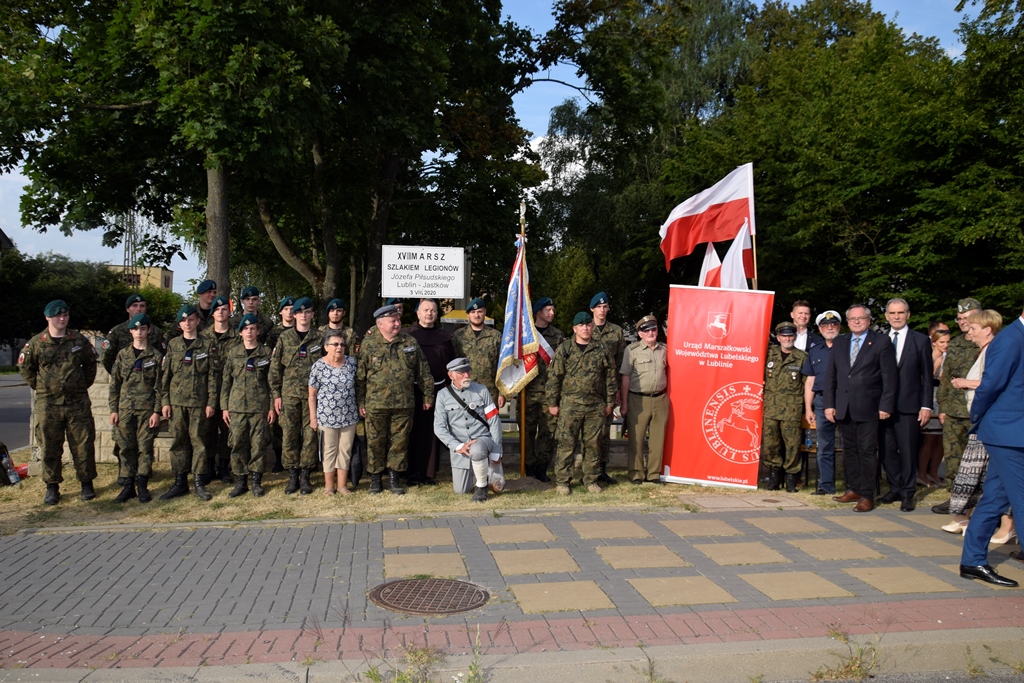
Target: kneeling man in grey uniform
[(467, 423)]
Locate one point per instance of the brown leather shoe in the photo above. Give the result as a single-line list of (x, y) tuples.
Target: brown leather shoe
[(848, 497), (865, 505)]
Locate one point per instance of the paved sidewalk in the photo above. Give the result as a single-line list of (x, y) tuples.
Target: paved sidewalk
[(277, 593)]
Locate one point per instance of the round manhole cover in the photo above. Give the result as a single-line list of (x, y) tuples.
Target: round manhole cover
[(429, 596)]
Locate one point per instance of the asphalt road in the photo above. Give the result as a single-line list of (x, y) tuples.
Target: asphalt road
[(15, 407)]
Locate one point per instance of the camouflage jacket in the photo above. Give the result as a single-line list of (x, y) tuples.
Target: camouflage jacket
[(189, 374), (245, 384), (960, 356), (265, 325), (219, 347), (61, 369), (290, 362), (482, 351), (386, 372), (121, 338), (537, 390), (135, 383), (275, 334), (582, 379), (612, 338), (348, 337), (784, 384)]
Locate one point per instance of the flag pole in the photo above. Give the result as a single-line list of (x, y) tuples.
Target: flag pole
[(753, 254), (522, 392)]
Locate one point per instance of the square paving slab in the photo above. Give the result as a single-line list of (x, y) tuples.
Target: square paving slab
[(623, 529), (930, 520), (701, 527), (560, 596), (900, 580), (867, 523), (1006, 569), (426, 564), (549, 561), (774, 500), (836, 549), (681, 590), (795, 586), (716, 502), (786, 525), (639, 556), (740, 553), (400, 538), (516, 533), (923, 547)]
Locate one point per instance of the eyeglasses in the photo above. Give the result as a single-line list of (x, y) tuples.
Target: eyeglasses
[(859, 319), (331, 346)]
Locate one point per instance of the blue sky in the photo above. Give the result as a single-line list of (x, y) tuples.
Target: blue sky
[(924, 17)]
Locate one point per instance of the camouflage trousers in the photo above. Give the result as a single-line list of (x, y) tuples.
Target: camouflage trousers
[(135, 437), (778, 432), (576, 426), (954, 441), (298, 440), (605, 446), (74, 421), (218, 448), (387, 439), (188, 440), (540, 434), (249, 436)]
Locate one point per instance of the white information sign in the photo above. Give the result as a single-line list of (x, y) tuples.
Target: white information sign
[(436, 272)]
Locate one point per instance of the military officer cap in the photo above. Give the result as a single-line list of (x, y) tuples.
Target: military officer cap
[(458, 365), (785, 328), (55, 308), (648, 322), (966, 305), (285, 303), (598, 299), (582, 318), (138, 320), (475, 304), (247, 320), (393, 301), (134, 299), (336, 303), (218, 302), (184, 312), (205, 286), (828, 317), (303, 304), (386, 311), (541, 303), (250, 291)]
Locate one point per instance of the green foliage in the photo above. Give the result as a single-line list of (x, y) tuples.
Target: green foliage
[(162, 305)]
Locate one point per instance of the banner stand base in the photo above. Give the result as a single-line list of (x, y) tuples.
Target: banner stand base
[(709, 484)]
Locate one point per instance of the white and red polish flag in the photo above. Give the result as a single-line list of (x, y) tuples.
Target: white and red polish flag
[(714, 215), (739, 261), (711, 271)]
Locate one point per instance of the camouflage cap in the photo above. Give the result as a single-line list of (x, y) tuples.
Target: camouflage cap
[(965, 305), (138, 321), (458, 365), (55, 308), (475, 304), (785, 328), (303, 304), (285, 303), (247, 321), (134, 299), (336, 304), (582, 318), (218, 302), (184, 312), (598, 299)]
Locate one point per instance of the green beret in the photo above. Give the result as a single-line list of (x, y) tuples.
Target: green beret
[(336, 303), (303, 304), (55, 308), (134, 299), (205, 286), (218, 302), (541, 303), (247, 320), (582, 318), (138, 320), (285, 303), (184, 312), (599, 298), (249, 292), (475, 304)]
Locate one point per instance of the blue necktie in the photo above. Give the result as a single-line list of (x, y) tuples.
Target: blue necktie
[(854, 351)]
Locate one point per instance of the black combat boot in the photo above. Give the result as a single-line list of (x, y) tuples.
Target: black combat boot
[(480, 494), (375, 484), (88, 492), (180, 487), (200, 489), (128, 492), (603, 478), (240, 487), (256, 483), (393, 484), (790, 482), (141, 483), (293, 481), (772, 482), (539, 473), (225, 474), (305, 488), (52, 496)]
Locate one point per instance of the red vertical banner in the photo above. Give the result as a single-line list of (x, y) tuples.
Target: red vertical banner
[(717, 343)]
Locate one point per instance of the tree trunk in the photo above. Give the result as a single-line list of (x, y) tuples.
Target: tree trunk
[(218, 263), (378, 233), (313, 276), (328, 231)]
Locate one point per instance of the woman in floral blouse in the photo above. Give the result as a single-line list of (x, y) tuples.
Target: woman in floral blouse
[(332, 409)]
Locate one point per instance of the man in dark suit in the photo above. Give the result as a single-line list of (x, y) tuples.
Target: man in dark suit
[(997, 416), (901, 433), (860, 390)]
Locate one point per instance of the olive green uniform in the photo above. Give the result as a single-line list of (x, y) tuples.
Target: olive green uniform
[(276, 333), (481, 348), (189, 386), (135, 385), (582, 384), (245, 394), (613, 339), (541, 424), (385, 375), (783, 408), (960, 356), (289, 381), (265, 324), (60, 372), (646, 407), (218, 450), (120, 337)]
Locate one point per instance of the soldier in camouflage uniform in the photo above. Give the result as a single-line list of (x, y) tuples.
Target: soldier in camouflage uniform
[(613, 339), (189, 397), (135, 408), (783, 408), (953, 414), (221, 336), (250, 300), (336, 321), (246, 407), (390, 363), (296, 351), (284, 309), (207, 292), (581, 394), (540, 423), (481, 345), (60, 365)]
